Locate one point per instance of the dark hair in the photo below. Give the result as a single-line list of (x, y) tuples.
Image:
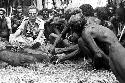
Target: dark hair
[(87, 9), (102, 13), (32, 7), (77, 23), (77, 20)]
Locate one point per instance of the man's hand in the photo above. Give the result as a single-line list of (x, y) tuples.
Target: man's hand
[(100, 53)]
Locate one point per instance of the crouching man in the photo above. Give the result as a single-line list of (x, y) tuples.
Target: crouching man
[(31, 29), (116, 50)]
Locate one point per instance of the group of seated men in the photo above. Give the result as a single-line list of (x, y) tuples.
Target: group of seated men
[(31, 30), (28, 32), (81, 30)]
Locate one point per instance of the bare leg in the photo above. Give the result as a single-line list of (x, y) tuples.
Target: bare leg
[(85, 48), (68, 56), (70, 48)]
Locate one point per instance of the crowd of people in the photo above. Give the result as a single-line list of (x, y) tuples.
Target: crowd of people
[(76, 32)]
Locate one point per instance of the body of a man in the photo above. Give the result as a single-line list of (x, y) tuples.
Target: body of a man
[(31, 29), (116, 50), (17, 18), (5, 25)]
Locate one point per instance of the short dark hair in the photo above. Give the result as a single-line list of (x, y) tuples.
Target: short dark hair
[(87, 9), (32, 7), (102, 13), (77, 20)]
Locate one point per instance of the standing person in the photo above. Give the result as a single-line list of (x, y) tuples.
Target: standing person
[(31, 29), (5, 25)]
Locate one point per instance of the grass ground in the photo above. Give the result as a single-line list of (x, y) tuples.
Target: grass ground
[(79, 71), (69, 72)]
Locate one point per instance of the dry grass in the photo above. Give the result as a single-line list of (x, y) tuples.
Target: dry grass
[(80, 72), (70, 72)]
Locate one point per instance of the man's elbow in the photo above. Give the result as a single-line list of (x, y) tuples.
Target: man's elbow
[(86, 33)]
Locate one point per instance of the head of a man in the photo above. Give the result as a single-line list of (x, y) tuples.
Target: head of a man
[(2, 13), (44, 13), (71, 11), (19, 11), (77, 21), (110, 9), (32, 12)]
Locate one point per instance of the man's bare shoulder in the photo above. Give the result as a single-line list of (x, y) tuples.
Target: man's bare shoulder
[(96, 26), (98, 29)]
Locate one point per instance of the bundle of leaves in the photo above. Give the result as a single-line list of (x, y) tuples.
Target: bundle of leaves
[(87, 9)]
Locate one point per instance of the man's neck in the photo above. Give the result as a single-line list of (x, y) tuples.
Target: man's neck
[(32, 20)]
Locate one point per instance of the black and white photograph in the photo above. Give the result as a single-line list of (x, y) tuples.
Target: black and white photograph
[(62, 41)]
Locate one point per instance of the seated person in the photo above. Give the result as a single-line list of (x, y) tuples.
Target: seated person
[(5, 25), (56, 27), (75, 24), (31, 29), (17, 18)]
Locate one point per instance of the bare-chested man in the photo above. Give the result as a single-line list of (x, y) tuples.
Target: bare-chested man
[(116, 50)]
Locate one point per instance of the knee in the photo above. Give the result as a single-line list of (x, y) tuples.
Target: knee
[(84, 33), (52, 37), (80, 41)]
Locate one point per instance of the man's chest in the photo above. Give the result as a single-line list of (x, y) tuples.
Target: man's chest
[(32, 27), (31, 30)]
